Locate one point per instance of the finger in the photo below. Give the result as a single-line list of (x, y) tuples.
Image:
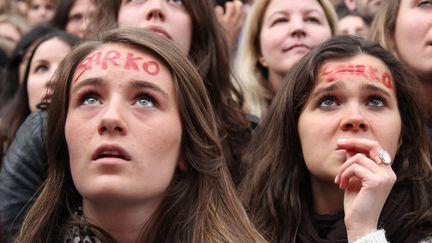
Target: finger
[(229, 11), (357, 158), (361, 145), (366, 178), (362, 160), (219, 11)]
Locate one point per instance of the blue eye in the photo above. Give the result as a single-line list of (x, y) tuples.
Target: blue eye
[(376, 102), (89, 99), (327, 102), (145, 101)]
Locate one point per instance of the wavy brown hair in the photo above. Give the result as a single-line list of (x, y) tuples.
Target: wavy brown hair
[(277, 189), (210, 54), (200, 204)]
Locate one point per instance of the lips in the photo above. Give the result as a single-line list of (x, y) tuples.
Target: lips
[(110, 151), (297, 46), (160, 31)]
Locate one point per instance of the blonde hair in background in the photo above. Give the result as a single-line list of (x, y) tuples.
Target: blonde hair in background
[(252, 75)]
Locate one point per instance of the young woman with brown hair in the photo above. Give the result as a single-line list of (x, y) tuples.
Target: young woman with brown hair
[(133, 150), (342, 151)]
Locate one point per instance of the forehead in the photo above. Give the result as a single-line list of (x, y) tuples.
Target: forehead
[(363, 67), (53, 47), (281, 5), (121, 60)]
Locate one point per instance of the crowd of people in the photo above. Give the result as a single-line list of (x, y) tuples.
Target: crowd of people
[(215, 121)]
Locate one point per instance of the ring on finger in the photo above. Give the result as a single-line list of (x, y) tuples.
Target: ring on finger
[(384, 157)]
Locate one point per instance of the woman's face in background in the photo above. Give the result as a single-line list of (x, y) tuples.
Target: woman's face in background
[(290, 29), (169, 19), (45, 61), (413, 36), (79, 17), (40, 11)]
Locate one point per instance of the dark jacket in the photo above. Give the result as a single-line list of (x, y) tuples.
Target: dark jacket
[(23, 171)]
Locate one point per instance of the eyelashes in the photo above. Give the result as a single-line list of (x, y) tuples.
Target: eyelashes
[(328, 102), (141, 99)]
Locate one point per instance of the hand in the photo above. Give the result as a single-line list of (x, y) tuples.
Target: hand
[(231, 19), (367, 183)]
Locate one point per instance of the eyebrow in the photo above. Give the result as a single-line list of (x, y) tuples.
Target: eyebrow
[(373, 87), (87, 82), (329, 88), (340, 85), (136, 84)]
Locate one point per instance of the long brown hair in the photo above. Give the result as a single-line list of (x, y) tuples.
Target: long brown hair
[(277, 188), (210, 54), (200, 204)]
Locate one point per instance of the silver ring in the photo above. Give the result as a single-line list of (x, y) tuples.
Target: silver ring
[(384, 156)]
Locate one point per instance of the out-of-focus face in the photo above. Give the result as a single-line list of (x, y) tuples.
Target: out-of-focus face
[(413, 36), (366, 8), (46, 59), (123, 127), (169, 19), (353, 25), (40, 11), (290, 29), (79, 17), (353, 98), (9, 32)]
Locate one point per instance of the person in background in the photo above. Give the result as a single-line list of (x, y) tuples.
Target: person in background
[(365, 8), (351, 23), (35, 91), (12, 28), (404, 28), (40, 11), (108, 183), (231, 15), (277, 34), (342, 153), (74, 16)]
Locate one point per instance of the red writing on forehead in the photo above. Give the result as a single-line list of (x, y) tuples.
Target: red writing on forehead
[(113, 58), (366, 71)]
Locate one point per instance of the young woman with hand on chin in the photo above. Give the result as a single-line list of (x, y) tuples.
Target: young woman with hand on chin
[(342, 154)]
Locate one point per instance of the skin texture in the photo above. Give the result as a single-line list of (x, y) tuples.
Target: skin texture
[(167, 18), (361, 118), (79, 15), (9, 32), (126, 110), (290, 29), (231, 16), (413, 36), (44, 63)]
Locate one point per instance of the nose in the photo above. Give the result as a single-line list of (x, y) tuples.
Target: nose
[(112, 122), (155, 10), (354, 120), (297, 27)]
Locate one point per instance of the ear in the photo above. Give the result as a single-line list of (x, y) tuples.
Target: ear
[(351, 4), (262, 60)]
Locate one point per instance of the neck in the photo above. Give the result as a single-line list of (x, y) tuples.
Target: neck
[(123, 223), (426, 89), (275, 81), (327, 197)]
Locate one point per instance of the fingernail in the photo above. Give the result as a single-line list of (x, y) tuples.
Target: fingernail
[(342, 140)]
